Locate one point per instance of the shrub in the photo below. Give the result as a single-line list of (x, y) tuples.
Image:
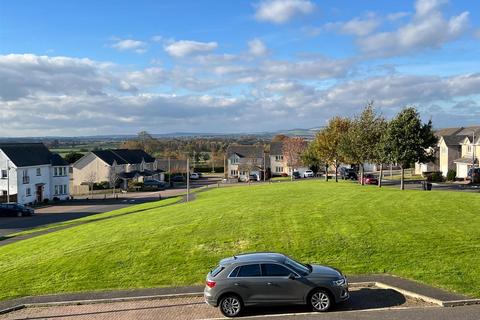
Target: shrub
[(451, 175), (56, 199), (435, 177), (284, 174)]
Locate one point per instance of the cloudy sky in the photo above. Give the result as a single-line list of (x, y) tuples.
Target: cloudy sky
[(112, 67)]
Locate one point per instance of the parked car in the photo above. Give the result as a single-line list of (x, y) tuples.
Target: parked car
[(370, 179), (254, 177), (194, 176), (15, 209), (296, 175), (177, 178), (154, 184), (272, 278), (308, 174), (348, 174), (474, 175)]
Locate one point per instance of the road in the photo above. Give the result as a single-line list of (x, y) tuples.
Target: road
[(365, 303)]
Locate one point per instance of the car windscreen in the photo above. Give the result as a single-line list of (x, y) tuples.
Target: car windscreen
[(297, 266)]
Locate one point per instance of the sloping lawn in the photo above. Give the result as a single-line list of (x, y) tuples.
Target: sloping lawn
[(433, 237)]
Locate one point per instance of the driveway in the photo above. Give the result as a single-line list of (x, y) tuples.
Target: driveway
[(365, 303), (79, 208)]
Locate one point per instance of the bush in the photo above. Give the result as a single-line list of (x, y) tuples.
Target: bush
[(451, 175), (101, 185), (435, 177), (284, 174), (56, 199)]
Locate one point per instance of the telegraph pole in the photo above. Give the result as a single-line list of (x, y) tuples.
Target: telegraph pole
[(169, 173)]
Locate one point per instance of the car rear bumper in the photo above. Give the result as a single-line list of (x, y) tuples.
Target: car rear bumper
[(209, 299)]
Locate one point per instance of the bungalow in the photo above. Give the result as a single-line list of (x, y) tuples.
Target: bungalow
[(116, 166), (30, 173)]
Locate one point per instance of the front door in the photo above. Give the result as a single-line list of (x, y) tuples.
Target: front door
[(39, 194)]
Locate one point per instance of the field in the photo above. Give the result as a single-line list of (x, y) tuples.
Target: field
[(433, 237)]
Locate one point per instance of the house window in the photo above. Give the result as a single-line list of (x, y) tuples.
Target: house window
[(64, 189), (278, 169), (469, 148), (234, 160), (28, 192), (25, 177), (56, 190), (233, 172), (278, 158), (4, 174), (39, 171)]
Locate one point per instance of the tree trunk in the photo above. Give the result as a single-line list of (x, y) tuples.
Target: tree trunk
[(380, 176), (291, 174), (326, 172), (361, 174), (402, 172), (336, 171)]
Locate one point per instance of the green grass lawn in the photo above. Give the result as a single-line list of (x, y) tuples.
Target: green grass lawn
[(433, 237)]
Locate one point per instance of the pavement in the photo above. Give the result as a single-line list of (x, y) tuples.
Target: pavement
[(371, 298)]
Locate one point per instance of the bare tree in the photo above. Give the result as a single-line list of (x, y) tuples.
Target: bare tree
[(113, 178), (292, 150), (91, 179)]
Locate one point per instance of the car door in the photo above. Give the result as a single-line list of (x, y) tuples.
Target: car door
[(246, 280), (279, 286)]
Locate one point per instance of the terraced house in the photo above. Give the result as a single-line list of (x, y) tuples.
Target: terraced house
[(30, 173)]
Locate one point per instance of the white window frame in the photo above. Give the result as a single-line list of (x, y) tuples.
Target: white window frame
[(28, 192), (39, 172)]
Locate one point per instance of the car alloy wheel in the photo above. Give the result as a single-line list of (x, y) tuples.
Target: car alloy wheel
[(320, 301), (231, 306)]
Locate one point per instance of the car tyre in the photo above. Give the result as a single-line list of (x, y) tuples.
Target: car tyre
[(231, 306), (19, 214), (320, 300)]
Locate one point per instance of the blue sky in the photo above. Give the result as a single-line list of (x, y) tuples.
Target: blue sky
[(101, 67)]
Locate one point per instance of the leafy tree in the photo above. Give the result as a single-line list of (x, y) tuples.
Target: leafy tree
[(73, 157), (361, 144), (327, 142), (408, 140), (311, 159)]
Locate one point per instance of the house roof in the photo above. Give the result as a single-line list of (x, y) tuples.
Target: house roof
[(123, 156), (467, 160), (31, 154), (276, 148), (454, 136), (246, 151), (453, 140)]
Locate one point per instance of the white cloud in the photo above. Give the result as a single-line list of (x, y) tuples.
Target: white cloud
[(183, 48), (281, 11), (357, 26), (397, 16), (130, 45), (427, 29), (156, 38), (257, 48)]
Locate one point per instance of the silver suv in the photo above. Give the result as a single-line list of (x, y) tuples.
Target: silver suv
[(272, 278)]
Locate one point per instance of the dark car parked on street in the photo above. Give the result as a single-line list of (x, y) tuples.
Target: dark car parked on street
[(15, 209), (154, 184), (348, 174), (272, 278)]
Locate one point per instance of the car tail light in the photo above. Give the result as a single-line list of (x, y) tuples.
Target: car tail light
[(210, 284)]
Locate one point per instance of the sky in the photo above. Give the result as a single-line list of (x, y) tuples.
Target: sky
[(78, 68)]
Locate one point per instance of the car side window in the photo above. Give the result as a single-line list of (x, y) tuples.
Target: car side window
[(250, 270), (275, 270)]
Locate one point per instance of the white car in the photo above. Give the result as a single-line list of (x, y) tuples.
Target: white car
[(308, 174), (194, 176)]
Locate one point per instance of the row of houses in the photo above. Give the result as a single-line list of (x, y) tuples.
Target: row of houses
[(457, 149), (30, 173), (244, 160)]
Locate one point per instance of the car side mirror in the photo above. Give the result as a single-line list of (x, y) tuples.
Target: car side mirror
[(291, 276)]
